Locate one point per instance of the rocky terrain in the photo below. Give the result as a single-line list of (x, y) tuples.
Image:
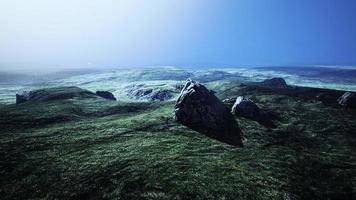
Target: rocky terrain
[(214, 139), (166, 82)]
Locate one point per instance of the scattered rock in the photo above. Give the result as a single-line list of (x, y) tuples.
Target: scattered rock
[(274, 83), (347, 100), (199, 109), (106, 95), (21, 98), (246, 108)]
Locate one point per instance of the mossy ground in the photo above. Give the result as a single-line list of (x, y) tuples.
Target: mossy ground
[(110, 150)]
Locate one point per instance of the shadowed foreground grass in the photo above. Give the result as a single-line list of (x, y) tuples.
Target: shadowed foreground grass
[(101, 149)]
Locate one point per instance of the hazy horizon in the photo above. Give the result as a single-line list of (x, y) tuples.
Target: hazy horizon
[(42, 35), (87, 69)]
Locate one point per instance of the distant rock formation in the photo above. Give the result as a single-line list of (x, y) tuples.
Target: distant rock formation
[(161, 95), (106, 95), (347, 100), (142, 91), (246, 108), (52, 94), (199, 109), (21, 98), (274, 83)]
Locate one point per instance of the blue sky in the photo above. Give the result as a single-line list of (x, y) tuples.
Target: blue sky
[(119, 33)]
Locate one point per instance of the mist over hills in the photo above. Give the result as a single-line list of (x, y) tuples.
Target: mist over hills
[(119, 81)]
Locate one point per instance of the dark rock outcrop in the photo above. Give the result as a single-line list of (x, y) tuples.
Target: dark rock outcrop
[(274, 83), (248, 109), (245, 108), (21, 98), (53, 94), (199, 109), (106, 95), (347, 100)]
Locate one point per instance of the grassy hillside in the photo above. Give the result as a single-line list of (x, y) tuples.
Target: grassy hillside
[(89, 148)]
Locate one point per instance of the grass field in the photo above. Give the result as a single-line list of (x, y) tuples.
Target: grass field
[(86, 147)]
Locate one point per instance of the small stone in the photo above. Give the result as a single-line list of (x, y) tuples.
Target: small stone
[(347, 100)]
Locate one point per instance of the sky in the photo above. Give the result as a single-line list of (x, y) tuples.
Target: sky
[(42, 34)]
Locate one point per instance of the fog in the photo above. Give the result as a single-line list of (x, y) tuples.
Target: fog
[(43, 36)]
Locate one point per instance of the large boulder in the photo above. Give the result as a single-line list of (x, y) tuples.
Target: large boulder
[(348, 100), (199, 109), (106, 95), (274, 83), (246, 108)]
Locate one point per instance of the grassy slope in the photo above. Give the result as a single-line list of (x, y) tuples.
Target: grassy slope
[(136, 151)]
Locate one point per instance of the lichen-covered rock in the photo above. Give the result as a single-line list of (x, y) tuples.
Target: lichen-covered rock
[(246, 108), (348, 100), (274, 83), (199, 109), (106, 95)]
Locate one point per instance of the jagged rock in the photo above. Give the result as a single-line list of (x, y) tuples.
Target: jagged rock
[(21, 98), (274, 83), (347, 100), (106, 95), (199, 109), (246, 108)]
